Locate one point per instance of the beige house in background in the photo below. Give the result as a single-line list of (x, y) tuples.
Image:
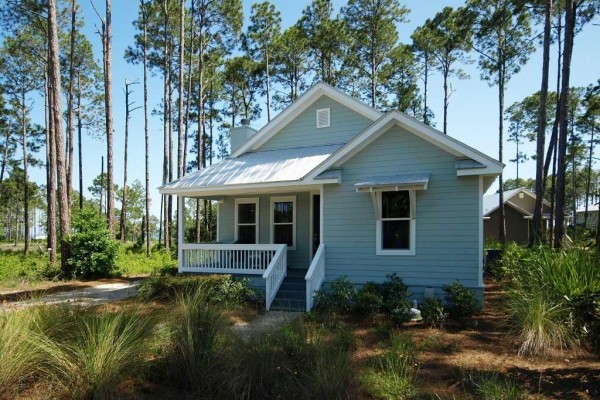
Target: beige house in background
[(518, 214)]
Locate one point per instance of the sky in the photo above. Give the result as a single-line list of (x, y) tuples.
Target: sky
[(472, 115)]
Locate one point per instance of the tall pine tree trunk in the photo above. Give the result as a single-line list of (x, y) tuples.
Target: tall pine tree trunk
[(50, 172), (502, 224), (146, 134), (123, 219), (25, 174), (588, 180), (79, 144), (56, 113), (181, 85), (189, 89), (446, 72), (536, 235), (110, 190), (563, 127), (70, 104)]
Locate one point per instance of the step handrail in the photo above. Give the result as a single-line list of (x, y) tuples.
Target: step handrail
[(315, 276), (274, 274)]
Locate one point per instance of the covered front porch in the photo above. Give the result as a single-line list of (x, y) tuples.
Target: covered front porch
[(272, 238)]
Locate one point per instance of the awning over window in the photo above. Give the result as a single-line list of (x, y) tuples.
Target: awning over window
[(391, 183)]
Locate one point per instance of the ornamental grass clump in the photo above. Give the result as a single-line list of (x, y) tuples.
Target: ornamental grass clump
[(20, 357), (548, 301), (90, 354)]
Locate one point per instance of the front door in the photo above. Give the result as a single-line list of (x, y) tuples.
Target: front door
[(316, 219)]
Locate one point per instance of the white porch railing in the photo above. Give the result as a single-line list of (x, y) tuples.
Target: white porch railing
[(268, 260), (274, 275), (315, 276), (215, 258)]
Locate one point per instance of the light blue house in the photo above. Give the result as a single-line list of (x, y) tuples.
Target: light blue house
[(332, 187)]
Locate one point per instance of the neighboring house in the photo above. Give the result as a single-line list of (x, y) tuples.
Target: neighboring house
[(592, 219), (519, 205), (331, 188)]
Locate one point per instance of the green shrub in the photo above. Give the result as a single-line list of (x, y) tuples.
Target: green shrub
[(92, 249), (395, 300), (461, 303), (433, 313), (586, 308), (219, 289), (17, 267), (90, 354), (369, 299), (338, 298), (393, 374), (20, 357)]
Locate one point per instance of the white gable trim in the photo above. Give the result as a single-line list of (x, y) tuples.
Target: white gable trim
[(417, 128), (299, 106)]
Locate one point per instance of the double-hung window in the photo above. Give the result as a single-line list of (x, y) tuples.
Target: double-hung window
[(246, 221), (283, 221), (396, 225)]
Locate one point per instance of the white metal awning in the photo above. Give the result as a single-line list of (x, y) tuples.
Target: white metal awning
[(393, 183)]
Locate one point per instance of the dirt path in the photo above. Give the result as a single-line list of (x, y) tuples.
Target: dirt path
[(79, 293)]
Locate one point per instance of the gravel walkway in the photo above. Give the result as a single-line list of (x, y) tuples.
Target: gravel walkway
[(88, 296)]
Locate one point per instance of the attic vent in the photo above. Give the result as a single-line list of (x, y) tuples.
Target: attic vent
[(323, 118)]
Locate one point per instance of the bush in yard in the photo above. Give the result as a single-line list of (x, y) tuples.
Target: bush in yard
[(93, 251), (433, 313), (339, 297), (461, 302), (395, 300), (586, 308), (369, 299), (218, 289)]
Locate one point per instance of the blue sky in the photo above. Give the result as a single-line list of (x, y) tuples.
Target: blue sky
[(473, 114)]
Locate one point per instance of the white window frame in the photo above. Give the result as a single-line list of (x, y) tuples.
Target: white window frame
[(284, 199), (328, 110), (252, 200), (379, 250)]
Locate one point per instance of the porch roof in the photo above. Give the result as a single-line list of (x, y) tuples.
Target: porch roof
[(263, 167)]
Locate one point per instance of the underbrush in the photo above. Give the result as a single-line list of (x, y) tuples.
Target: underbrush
[(130, 262), (554, 298), (223, 290), (17, 267)]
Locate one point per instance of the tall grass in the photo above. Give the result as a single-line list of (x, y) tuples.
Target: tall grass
[(394, 372), (197, 329), (493, 386), (296, 361), (543, 283), (90, 354), (19, 355)]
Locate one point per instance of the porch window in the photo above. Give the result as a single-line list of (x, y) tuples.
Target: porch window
[(396, 227), (246, 221), (283, 221)]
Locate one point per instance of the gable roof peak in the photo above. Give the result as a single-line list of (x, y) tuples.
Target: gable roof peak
[(301, 104)]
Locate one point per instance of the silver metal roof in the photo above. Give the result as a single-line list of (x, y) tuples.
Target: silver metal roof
[(490, 202), (395, 180), (257, 167)]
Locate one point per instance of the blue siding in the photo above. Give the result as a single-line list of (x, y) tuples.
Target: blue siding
[(302, 131), (298, 258), (447, 218)]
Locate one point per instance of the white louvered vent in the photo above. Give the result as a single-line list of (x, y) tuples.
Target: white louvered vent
[(323, 118)]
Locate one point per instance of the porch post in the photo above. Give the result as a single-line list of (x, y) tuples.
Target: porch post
[(321, 223), (180, 230)]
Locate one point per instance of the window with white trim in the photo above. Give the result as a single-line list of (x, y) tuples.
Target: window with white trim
[(396, 223), (283, 221), (246, 221)]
